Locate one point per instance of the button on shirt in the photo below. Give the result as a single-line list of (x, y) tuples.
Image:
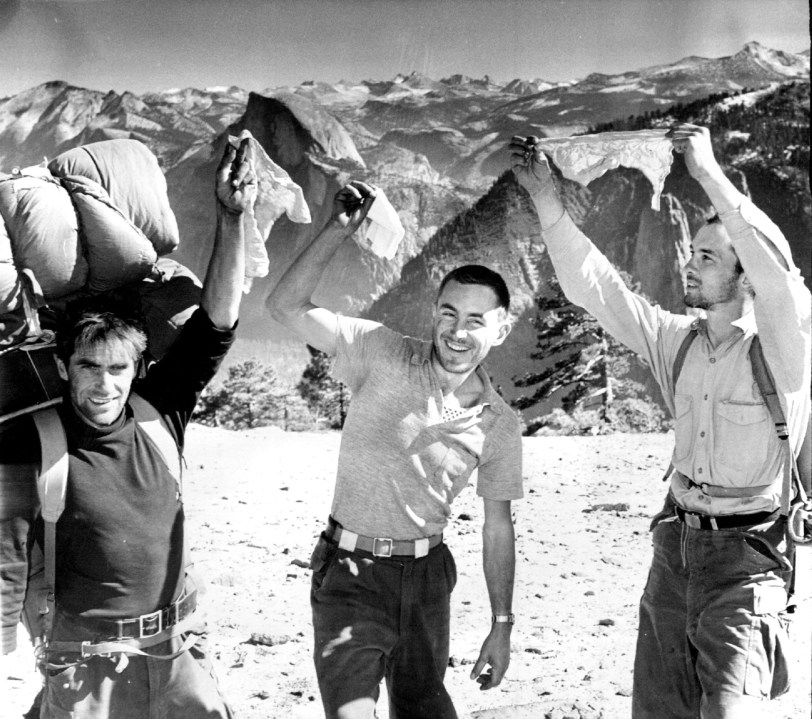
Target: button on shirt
[(401, 463), (724, 434)]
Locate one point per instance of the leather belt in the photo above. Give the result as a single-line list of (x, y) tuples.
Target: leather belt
[(725, 521), (380, 546), (147, 625)]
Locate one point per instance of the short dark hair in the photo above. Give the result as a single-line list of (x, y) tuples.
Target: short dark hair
[(479, 275), (714, 219), (91, 320)]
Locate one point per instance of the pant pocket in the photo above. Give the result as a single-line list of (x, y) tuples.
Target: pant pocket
[(768, 666), (450, 568), (323, 553)]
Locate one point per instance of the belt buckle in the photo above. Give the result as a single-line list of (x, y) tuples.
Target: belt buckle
[(387, 544), (150, 624)]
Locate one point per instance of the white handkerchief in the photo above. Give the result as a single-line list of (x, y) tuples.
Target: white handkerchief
[(583, 158), (384, 231), (277, 193)]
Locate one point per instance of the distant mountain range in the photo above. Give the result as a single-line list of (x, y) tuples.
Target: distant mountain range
[(437, 147), (457, 122)]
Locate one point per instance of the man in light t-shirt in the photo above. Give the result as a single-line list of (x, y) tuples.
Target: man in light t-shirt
[(423, 416)]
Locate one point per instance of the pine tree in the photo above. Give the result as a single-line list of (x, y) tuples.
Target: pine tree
[(327, 399), (251, 396), (588, 372)]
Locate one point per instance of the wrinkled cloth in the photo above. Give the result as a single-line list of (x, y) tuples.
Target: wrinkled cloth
[(586, 157), (384, 231), (277, 193)]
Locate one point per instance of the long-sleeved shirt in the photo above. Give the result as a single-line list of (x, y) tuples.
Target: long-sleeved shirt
[(724, 434)]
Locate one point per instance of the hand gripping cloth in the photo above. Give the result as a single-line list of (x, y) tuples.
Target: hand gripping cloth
[(277, 193), (584, 158), (385, 231)]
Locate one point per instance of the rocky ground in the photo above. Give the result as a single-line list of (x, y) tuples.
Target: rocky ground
[(258, 499)]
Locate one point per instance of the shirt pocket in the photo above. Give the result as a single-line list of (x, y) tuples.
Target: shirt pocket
[(742, 434), (454, 469), (683, 425)]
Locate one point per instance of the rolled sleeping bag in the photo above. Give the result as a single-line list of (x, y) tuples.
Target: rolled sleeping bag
[(130, 174), (41, 221), (117, 251)]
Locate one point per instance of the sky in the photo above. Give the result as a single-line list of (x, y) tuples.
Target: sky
[(151, 45)]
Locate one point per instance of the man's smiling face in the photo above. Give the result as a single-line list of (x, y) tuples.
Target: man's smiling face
[(99, 378), (467, 323)]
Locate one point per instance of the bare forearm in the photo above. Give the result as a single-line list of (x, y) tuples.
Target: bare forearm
[(499, 564), (293, 292), (222, 287)]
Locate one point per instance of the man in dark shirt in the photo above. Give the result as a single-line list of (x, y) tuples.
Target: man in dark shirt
[(121, 558)]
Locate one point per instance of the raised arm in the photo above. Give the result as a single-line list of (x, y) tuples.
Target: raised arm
[(781, 301), (290, 302), (235, 187), (531, 169), (587, 278), (695, 143)]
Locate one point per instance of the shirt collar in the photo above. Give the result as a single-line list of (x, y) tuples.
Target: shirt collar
[(421, 353), (746, 323)]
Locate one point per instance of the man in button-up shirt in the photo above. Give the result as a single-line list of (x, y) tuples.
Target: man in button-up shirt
[(711, 635), (423, 417)]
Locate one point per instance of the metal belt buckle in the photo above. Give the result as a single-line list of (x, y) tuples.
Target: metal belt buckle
[(385, 543), (150, 624)]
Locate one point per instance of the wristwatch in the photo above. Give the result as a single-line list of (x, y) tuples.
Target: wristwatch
[(503, 619)]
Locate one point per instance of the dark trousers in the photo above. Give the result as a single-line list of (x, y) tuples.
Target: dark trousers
[(711, 626), (376, 618), (148, 688)]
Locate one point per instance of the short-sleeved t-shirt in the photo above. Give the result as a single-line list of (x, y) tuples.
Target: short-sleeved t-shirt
[(400, 464)]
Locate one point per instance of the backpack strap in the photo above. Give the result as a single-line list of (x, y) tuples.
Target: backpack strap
[(154, 426), (679, 360), (792, 469), (52, 486)]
